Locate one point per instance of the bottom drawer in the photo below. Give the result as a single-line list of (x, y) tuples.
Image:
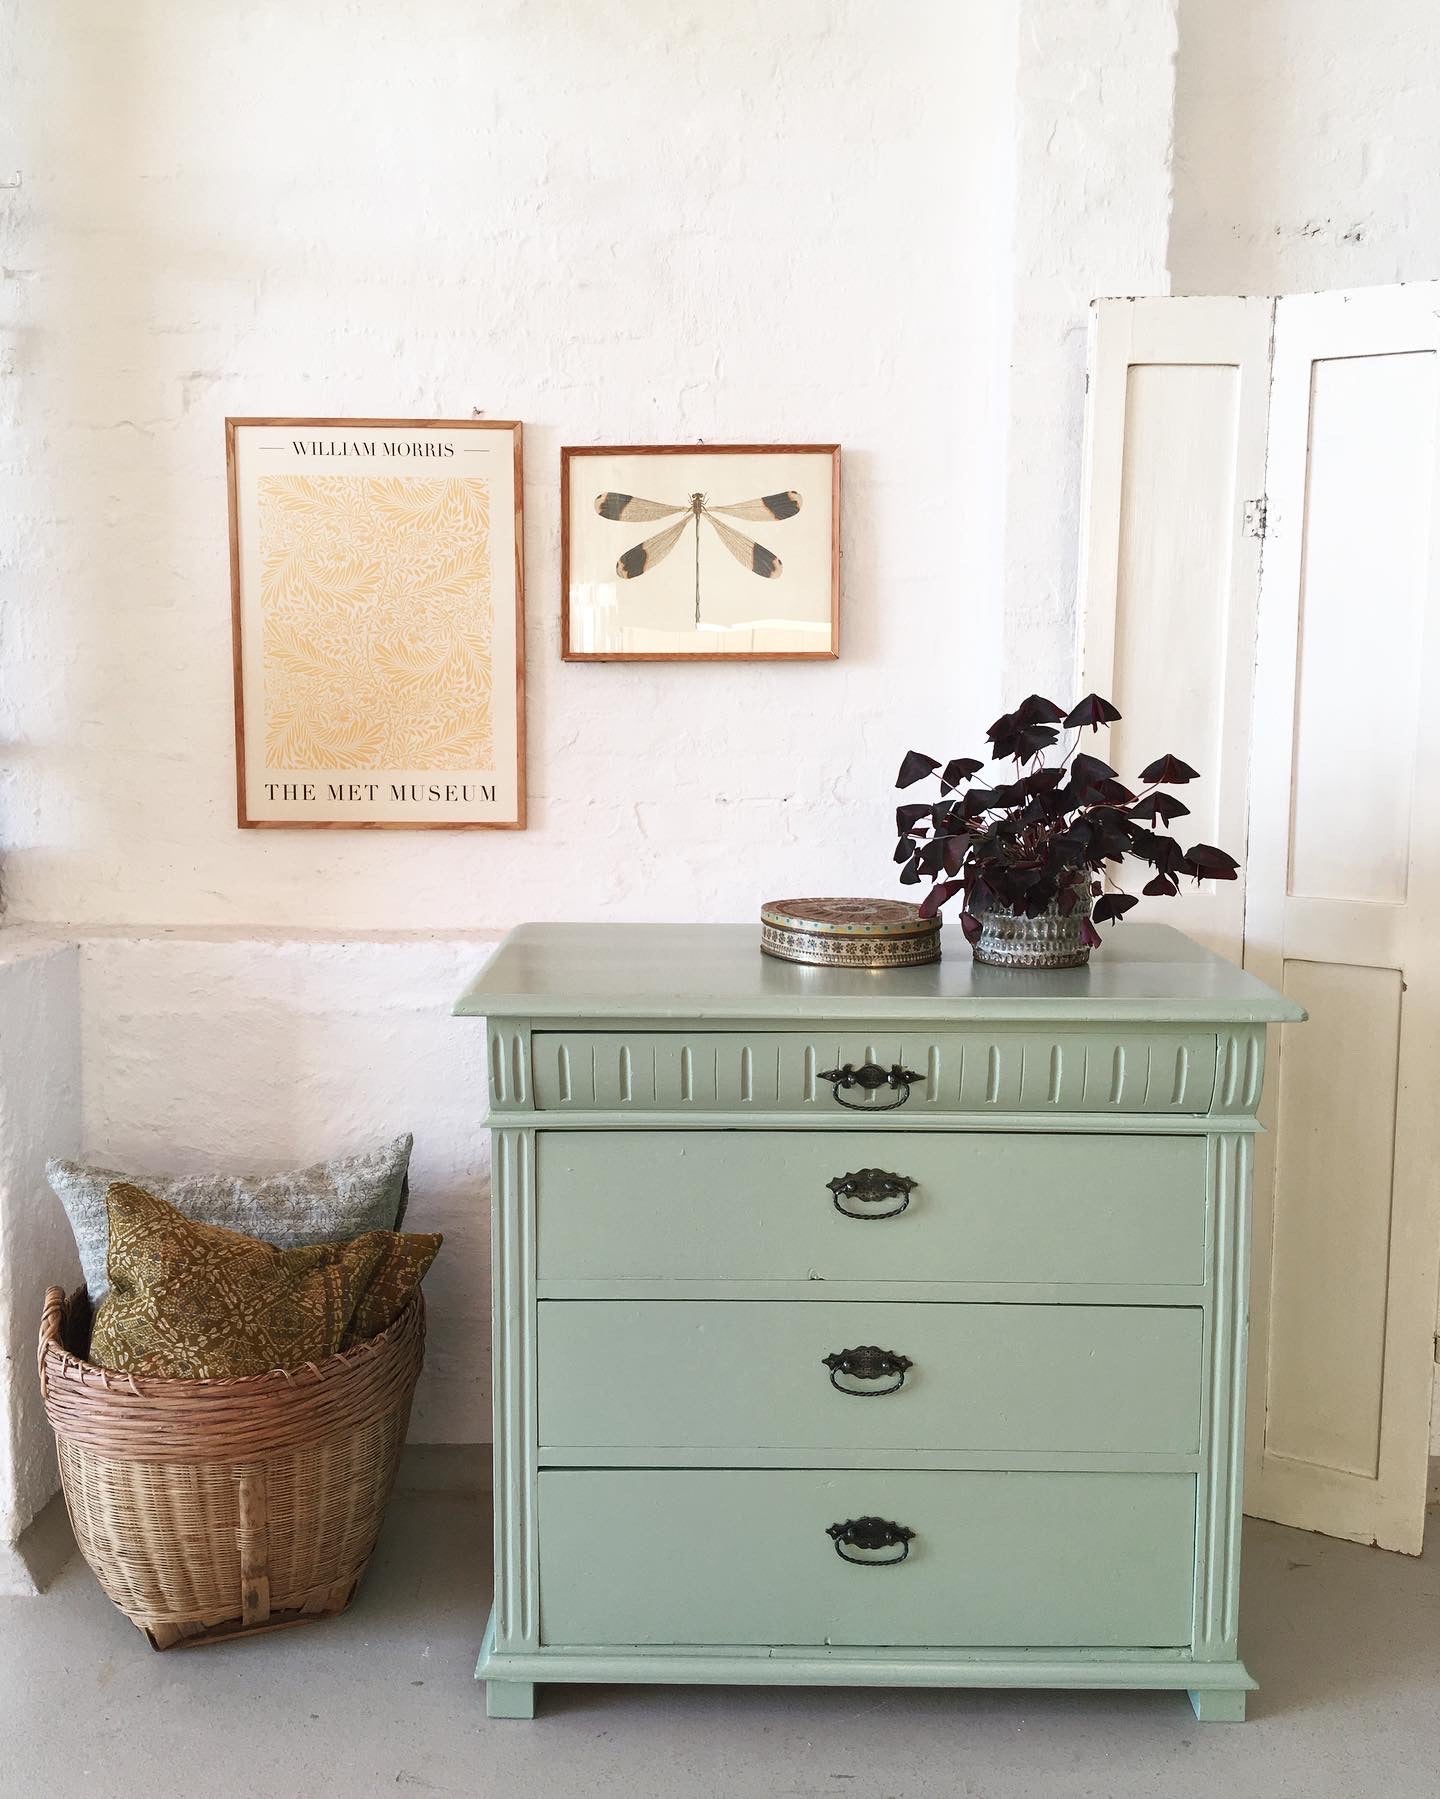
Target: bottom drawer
[(694, 1556)]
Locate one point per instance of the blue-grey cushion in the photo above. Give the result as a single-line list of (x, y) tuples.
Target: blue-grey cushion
[(325, 1203)]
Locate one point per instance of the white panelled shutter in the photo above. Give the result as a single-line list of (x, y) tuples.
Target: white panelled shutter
[(1170, 563), (1323, 580)]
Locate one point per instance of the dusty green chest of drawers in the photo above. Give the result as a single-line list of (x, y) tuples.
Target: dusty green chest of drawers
[(867, 1328)]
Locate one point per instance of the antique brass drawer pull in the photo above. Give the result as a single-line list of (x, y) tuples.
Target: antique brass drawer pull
[(870, 1533), (869, 1186), (867, 1363), (870, 1078)]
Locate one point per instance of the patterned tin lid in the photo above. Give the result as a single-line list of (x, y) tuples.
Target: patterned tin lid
[(848, 918)]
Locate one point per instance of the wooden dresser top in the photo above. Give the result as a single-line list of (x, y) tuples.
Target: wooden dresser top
[(1145, 973)]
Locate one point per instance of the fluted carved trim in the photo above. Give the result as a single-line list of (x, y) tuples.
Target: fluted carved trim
[(517, 1624), (508, 1065), (1114, 1071), (1240, 1069), (1218, 1513)]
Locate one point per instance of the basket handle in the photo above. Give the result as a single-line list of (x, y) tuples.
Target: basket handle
[(52, 1325)]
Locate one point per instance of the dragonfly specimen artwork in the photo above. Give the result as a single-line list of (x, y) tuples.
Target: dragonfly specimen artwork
[(640, 558), (685, 512)]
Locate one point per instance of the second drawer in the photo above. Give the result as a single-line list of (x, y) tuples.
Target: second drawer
[(678, 1206), (752, 1375)]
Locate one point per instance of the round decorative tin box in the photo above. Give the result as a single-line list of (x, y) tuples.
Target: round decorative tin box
[(849, 933)]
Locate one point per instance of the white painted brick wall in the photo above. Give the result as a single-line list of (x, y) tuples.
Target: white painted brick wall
[(655, 221), (1307, 145), (1095, 88)]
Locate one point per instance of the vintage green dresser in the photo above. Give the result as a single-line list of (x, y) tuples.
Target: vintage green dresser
[(867, 1328)]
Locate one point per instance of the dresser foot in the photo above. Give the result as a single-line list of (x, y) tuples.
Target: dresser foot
[(510, 1698), (1218, 1705)]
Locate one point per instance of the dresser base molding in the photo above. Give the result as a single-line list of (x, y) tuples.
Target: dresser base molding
[(1217, 1689)]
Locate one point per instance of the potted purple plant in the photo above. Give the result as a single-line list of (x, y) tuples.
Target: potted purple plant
[(1034, 856)]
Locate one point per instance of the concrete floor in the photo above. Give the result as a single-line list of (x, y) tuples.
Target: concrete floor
[(1346, 1643)]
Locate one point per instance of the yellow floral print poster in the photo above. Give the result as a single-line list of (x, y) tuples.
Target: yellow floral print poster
[(377, 603)]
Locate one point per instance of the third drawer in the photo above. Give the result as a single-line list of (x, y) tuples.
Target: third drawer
[(754, 1375)]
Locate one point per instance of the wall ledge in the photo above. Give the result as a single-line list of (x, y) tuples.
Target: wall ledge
[(23, 939)]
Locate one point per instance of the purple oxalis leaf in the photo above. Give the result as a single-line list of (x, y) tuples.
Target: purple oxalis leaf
[(914, 768), (1092, 711), (1160, 808), (1113, 905), (1211, 864), (1170, 770), (960, 769), (937, 896), (1037, 710)]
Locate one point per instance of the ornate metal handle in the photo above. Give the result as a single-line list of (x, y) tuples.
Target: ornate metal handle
[(867, 1363), (869, 1186), (870, 1533), (870, 1078)]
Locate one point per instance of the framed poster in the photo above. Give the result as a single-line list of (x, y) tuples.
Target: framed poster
[(703, 552), (378, 601)]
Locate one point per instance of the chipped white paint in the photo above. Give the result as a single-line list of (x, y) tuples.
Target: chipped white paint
[(1305, 145)]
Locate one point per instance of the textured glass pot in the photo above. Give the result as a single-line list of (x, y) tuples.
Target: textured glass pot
[(1010, 940)]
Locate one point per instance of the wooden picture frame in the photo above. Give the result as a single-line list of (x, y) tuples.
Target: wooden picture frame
[(377, 611), (789, 511)]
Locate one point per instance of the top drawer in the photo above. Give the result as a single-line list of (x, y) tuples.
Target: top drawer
[(1092, 1070)]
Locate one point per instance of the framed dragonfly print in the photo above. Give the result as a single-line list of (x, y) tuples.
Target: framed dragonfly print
[(378, 607), (700, 552)]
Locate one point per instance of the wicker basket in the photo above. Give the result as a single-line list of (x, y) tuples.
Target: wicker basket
[(211, 1509)]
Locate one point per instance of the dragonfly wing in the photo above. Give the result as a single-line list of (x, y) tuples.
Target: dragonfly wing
[(745, 550), (655, 549), (625, 505), (773, 505)]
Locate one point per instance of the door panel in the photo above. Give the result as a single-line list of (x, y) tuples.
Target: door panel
[(1338, 735), (1341, 913), (1364, 550), (1175, 467), (1331, 1229)]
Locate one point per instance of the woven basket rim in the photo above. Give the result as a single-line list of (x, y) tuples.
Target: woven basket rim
[(56, 1359)]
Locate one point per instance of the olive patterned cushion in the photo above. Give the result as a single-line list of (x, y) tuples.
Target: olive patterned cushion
[(197, 1302), (393, 1283), (320, 1204)]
